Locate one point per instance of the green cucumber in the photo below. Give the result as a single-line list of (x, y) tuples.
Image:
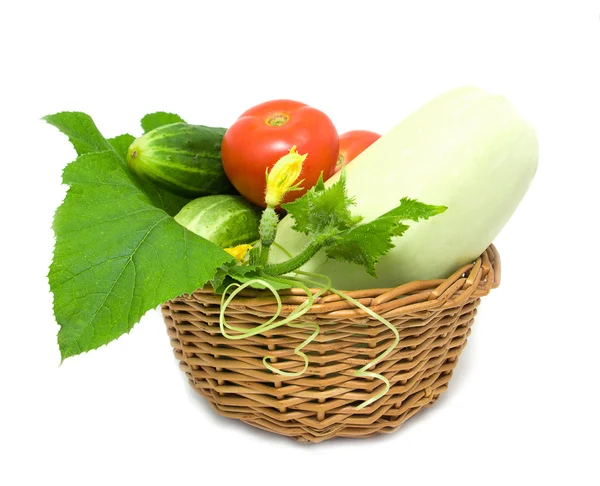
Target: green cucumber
[(181, 158), (225, 220)]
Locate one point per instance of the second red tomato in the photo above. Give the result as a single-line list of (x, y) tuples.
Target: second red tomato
[(353, 143), (265, 133)]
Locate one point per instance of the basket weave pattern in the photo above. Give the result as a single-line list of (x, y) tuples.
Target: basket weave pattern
[(433, 318)]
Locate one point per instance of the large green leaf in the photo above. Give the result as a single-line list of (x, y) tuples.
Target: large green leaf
[(81, 130), (323, 211), (365, 244), (117, 254)]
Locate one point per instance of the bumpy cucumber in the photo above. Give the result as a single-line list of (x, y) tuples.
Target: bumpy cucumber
[(225, 220), (181, 158)]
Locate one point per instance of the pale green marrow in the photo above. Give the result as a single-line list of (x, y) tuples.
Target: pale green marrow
[(468, 150)]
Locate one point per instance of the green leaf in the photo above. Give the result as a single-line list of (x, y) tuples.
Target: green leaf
[(158, 119), (121, 144), (116, 255), (235, 273), (414, 210), (229, 273), (323, 212), (167, 201), (218, 280), (367, 243), (81, 130)]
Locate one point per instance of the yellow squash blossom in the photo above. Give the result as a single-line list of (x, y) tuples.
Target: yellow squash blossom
[(282, 177), (238, 252)]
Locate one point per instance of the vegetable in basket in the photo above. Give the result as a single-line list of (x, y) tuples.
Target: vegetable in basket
[(468, 150), (266, 132), (181, 158), (353, 143), (224, 219)]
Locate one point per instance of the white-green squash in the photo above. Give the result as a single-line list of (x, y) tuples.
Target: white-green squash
[(468, 150)]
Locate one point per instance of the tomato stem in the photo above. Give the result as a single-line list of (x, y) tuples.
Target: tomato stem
[(277, 119)]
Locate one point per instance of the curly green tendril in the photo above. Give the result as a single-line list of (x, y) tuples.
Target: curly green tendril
[(299, 311), (273, 323)]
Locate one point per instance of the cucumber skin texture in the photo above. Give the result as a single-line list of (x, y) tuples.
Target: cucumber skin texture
[(225, 220), (181, 158), (466, 149)]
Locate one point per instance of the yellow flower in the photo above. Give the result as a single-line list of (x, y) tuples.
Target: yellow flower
[(282, 177), (238, 252)]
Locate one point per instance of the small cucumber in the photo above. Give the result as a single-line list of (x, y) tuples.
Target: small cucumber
[(181, 158), (225, 220)]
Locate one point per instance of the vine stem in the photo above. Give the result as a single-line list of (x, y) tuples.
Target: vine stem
[(295, 262)]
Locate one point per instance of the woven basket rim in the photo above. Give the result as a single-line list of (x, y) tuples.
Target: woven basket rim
[(472, 277)]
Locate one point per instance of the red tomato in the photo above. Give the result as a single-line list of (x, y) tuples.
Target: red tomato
[(353, 143), (265, 133)]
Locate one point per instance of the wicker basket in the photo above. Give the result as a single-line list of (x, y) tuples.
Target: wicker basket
[(433, 319)]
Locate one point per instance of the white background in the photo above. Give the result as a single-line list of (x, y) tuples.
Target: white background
[(521, 408)]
